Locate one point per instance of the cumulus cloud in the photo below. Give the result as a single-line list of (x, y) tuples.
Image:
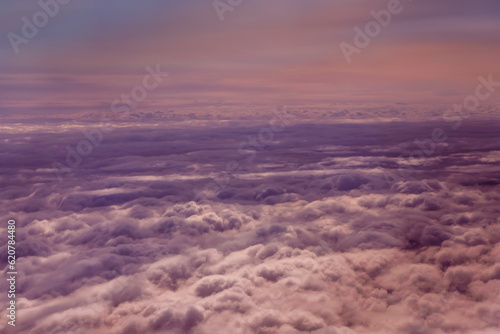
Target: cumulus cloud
[(308, 237)]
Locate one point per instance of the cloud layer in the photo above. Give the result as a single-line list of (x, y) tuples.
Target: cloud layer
[(149, 233)]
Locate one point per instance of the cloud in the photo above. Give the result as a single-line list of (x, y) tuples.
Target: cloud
[(298, 242)]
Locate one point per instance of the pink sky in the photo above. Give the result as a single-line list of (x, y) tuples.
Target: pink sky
[(262, 53)]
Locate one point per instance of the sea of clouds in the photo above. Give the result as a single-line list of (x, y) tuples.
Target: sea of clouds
[(151, 233)]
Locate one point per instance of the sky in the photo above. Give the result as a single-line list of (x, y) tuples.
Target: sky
[(260, 54), (250, 166)]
